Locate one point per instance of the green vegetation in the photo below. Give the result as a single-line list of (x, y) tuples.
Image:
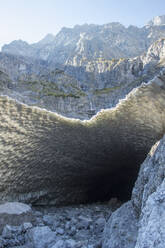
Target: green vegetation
[(57, 71), (61, 94), (44, 88)]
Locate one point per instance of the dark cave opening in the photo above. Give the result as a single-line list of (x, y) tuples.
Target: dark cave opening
[(117, 182), (107, 186)]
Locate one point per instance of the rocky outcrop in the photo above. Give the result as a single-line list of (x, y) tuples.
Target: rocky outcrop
[(19, 67), (140, 222), (48, 159), (121, 229)]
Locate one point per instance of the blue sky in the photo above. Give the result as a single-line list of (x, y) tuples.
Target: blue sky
[(31, 20)]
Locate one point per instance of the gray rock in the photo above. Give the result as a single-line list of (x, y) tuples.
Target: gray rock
[(10, 231), (84, 222), (15, 214), (26, 226), (149, 199), (140, 223), (12, 236), (59, 244), (49, 219), (72, 231), (67, 225), (100, 224), (40, 237), (60, 231), (150, 177), (38, 213), (121, 229), (152, 223), (70, 243)]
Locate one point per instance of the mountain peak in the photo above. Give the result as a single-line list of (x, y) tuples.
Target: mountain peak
[(47, 39), (157, 21)]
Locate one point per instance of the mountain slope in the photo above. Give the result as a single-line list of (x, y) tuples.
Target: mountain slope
[(82, 91)]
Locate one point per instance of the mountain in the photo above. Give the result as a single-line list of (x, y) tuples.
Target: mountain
[(82, 43), (83, 69), (157, 21), (47, 159), (79, 91)]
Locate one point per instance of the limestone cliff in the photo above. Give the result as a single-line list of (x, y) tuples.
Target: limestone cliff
[(48, 159), (140, 222)]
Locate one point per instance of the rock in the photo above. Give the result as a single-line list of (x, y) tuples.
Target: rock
[(140, 223), (49, 220), (10, 231), (72, 231), (152, 223), (100, 224), (149, 199), (26, 226), (60, 231), (114, 203), (70, 243), (39, 222), (15, 214), (40, 237), (84, 222), (67, 225), (38, 213), (3, 243), (150, 177), (12, 236), (121, 229), (59, 244)]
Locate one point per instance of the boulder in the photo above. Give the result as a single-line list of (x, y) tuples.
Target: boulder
[(40, 237), (14, 214), (121, 229)]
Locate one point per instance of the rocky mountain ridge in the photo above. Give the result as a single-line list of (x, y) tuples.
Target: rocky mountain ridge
[(83, 43)]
